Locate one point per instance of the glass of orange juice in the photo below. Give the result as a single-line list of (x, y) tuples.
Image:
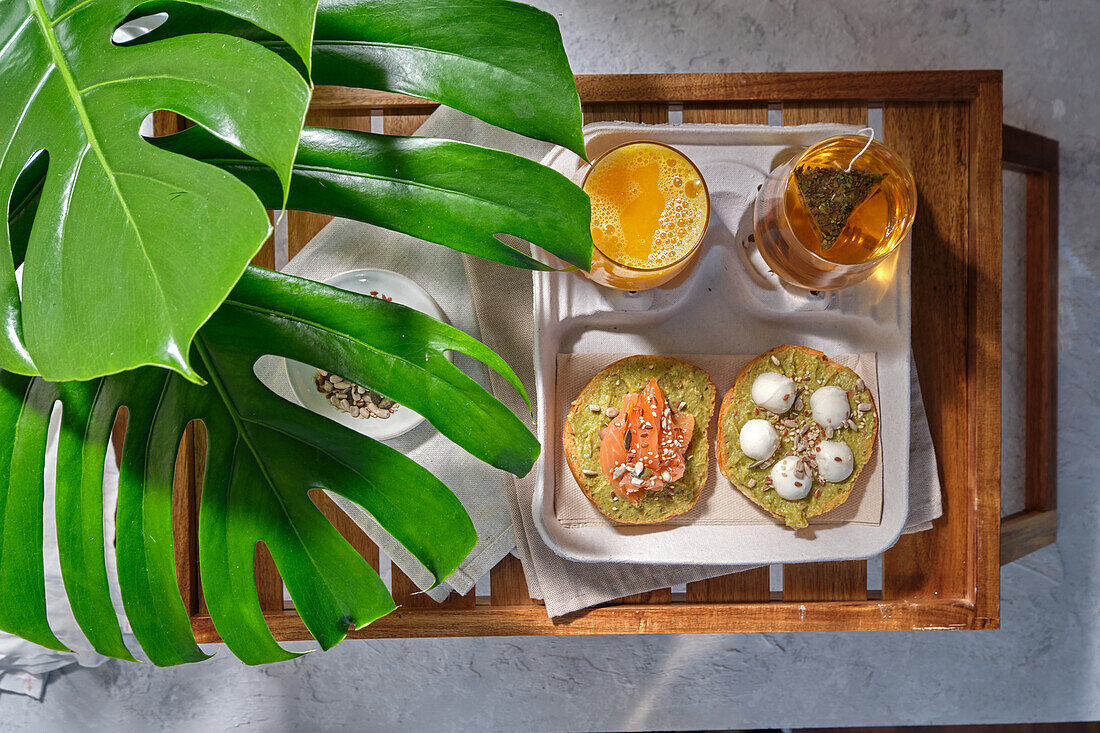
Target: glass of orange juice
[(650, 210)]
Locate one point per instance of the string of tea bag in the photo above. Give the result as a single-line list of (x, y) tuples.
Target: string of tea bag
[(870, 133)]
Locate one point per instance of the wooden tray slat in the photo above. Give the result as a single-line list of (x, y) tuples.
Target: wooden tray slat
[(825, 581), (407, 595), (184, 518), (720, 87), (729, 113), (403, 121), (983, 374), (508, 585), (935, 139), (674, 618)]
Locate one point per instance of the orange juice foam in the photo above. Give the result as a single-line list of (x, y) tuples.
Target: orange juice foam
[(649, 206)]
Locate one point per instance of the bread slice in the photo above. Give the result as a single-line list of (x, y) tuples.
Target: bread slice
[(680, 382), (738, 408)]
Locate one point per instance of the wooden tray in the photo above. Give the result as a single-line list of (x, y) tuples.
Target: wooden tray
[(947, 124)]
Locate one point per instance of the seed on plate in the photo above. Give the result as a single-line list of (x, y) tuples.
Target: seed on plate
[(791, 423), (864, 407), (829, 433), (594, 408), (751, 483), (618, 472), (590, 473), (612, 412), (860, 385), (775, 360)]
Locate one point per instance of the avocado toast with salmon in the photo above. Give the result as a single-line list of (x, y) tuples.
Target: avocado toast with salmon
[(636, 438)]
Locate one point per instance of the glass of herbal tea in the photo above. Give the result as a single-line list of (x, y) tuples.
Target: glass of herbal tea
[(825, 219), (650, 209)]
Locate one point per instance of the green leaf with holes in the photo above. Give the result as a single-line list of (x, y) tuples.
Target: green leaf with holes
[(131, 248), (498, 60), (265, 455), (447, 192)]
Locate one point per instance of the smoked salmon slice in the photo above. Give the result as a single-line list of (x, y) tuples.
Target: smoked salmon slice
[(643, 446)]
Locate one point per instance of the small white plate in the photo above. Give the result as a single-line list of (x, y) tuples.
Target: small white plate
[(402, 290)]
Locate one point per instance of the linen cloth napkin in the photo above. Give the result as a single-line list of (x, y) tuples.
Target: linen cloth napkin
[(720, 503), (347, 245)]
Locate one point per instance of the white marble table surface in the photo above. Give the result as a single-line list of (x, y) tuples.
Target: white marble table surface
[(1044, 663)]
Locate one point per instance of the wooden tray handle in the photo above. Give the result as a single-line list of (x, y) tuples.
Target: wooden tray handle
[(1037, 525)]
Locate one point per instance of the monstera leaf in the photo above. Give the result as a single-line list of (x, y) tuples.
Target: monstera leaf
[(132, 248), (498, 60), (446, 192), (265, 456)]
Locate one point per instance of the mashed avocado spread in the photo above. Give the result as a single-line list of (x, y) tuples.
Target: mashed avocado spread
[(810, 370), (680, 382)]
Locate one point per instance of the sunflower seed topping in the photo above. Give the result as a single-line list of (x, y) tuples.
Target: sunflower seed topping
[(351, 398)]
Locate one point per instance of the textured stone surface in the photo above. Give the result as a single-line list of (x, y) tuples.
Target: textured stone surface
[(1044, 664)]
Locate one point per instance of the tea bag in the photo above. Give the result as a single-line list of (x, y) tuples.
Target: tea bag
[(830, 195)]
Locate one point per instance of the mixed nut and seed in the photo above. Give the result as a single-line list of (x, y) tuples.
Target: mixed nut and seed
[(348, 397)]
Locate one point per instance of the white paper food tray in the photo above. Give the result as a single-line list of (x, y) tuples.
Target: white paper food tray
[(728, 304)]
